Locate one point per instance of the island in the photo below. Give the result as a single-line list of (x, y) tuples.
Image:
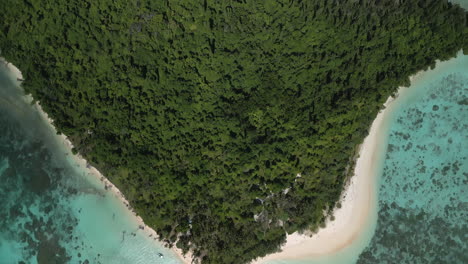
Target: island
[(226, 125)]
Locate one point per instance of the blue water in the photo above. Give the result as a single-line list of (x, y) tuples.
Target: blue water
[(423, 199), (52, 210), (462, 3)]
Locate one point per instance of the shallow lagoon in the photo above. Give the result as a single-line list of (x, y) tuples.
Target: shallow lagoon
[(423, 195)]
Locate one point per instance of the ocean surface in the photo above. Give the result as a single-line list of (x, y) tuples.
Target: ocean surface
[(423, 194), (462, 3), (51, 209)]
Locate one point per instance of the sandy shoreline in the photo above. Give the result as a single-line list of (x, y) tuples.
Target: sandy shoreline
[(78, 159), (358, 201)]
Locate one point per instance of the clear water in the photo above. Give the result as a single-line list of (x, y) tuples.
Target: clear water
[(462, 3), (51, 209), (423, 195)]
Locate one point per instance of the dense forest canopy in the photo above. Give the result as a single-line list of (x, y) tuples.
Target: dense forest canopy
[(226, 124)]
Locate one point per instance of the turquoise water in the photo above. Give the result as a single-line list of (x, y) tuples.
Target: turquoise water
[(462, 3), (423, 199), (52, 210)]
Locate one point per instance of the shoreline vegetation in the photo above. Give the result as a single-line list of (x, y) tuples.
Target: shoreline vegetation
[(203, 114), (78, 159)]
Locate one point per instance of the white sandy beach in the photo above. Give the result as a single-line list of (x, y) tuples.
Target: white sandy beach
[(358, 202), (80, 161), (357, 217)]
